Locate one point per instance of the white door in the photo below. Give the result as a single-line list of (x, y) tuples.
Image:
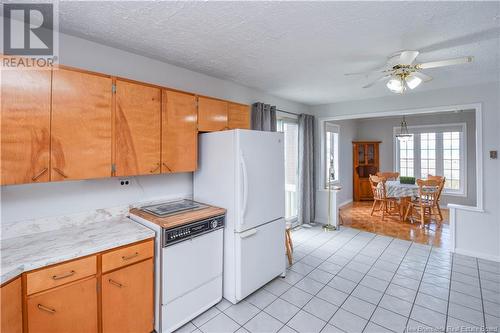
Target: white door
[(260, 178), (260, 257)]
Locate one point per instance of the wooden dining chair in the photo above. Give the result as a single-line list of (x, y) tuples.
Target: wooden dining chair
[(442, 181), (423, 207), (289, 244), (388, 175), (389, 206)]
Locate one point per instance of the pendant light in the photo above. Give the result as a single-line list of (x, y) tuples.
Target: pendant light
[(403, 134)]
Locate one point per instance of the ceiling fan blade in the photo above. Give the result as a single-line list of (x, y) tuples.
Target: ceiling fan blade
[(376, 81), (422, 76), (378, 70), (407, 57), (448, 62)]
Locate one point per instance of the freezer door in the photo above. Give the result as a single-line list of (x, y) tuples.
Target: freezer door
[(261, 178), (260, 257)]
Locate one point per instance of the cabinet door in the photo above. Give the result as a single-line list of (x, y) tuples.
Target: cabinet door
[(81, 125), (25, 124), (130, 290), (238, 116), (179, 132), (212, 114), (137, 130), (11, 307), (365, 190), (72, 308)]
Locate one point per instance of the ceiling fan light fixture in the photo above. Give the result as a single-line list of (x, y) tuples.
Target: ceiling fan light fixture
[(413, 81), (396, 85)]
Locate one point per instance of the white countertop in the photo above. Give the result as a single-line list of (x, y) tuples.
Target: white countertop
[(28, 252)]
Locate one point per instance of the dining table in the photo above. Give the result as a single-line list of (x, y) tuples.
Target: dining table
[(405, 193)]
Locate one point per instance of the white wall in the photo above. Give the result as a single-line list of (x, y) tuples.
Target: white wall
[(347, 134), (476, 232), (381, 129), (54, 199)]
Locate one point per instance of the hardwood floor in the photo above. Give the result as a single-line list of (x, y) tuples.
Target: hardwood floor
[(357, 215)]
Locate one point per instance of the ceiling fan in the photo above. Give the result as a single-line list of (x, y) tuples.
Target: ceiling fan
[(401, 73)]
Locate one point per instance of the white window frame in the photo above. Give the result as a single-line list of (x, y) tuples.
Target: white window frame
[(293, 220), (334, 128), (439, 128)]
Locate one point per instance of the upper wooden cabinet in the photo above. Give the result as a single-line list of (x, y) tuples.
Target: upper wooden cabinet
[(137, 129), (70, 308), (81, 125), (11, 307), (238, 116), (179, 151), (130, 290), (25, 126), (212, 114)]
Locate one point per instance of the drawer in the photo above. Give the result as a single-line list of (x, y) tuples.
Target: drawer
[(57, 275), (127, 255)]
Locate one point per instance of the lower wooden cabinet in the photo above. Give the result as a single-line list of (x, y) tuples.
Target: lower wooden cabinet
[(71, 308), (130, 290), (11, 307)]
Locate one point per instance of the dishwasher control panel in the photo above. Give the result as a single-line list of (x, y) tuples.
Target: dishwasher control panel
[(194, 229)]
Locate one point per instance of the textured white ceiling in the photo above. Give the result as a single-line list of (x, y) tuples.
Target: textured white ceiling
[(298, 50)]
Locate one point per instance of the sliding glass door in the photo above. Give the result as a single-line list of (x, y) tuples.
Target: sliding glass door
[(290, 129)]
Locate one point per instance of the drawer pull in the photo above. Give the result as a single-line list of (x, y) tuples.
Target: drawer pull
[(62, 174), (132, 256), (59, 277), (113, 282), (46, 309), (38, 175)]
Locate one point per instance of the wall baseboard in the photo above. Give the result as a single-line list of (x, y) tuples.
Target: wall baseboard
[(479, 255), (342, 204)]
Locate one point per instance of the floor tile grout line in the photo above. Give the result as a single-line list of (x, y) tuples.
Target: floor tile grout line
[(449, 296), (384, 293), (416, 294), (481, 294)]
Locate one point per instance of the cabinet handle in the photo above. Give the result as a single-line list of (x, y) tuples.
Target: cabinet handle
[(44, 308), (38, 175), (132, 256), (60, 172), (156, 168), (113, 282), (166, 166), (59, 277)]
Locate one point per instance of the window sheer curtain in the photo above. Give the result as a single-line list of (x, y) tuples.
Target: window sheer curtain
[(263, 117), (306, 181)]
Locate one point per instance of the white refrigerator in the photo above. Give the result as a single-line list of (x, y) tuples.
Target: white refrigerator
[(243, 171)]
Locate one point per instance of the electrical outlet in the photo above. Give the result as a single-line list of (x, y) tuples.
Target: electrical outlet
[(124, 181), (493, 154)]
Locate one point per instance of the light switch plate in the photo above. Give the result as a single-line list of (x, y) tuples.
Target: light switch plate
[(493, 154)]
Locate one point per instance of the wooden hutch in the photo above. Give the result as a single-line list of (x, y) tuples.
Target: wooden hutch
[(365, 163)]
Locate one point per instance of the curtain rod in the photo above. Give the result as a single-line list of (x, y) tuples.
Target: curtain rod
[(283, 111)]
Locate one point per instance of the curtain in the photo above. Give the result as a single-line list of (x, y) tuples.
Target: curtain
[(306, 181), (263, 117)]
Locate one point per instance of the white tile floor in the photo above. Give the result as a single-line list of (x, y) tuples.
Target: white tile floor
[(355, 281)]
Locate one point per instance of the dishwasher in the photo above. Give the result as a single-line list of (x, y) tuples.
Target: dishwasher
[(189, 261)]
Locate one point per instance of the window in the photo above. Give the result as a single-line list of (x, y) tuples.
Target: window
[(406, 159), (451, 160), (290, 128), (435, 150), (331, 157), (427, 154)]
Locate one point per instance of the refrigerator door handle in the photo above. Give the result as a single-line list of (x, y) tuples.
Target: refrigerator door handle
[(245, 187), (248, 233)]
